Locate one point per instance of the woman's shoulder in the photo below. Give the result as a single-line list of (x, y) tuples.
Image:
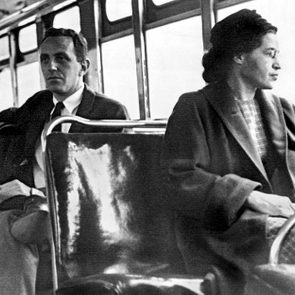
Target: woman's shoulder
[(199, 97), (195, 95)]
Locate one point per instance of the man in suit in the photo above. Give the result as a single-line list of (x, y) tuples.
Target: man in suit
[(64, 62)]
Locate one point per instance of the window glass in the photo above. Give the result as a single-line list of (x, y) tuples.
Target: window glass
[(174, 61), (28, 81), (118, 9), (6, 100), (4, 47), (28, 38), (119, 72), (160, 2), (281, 16), (69, 18)]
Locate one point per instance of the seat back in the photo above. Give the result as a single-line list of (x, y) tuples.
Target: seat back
[(106, 201)]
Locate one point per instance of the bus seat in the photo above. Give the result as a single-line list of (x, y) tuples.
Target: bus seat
[(276, 277), (117, 284), (269, 279), (105, 197)]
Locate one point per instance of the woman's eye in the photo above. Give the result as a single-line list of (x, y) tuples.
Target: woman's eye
[(272, 53)]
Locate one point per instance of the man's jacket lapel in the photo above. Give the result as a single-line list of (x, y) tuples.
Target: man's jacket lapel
[(85, 108), (36, 123)]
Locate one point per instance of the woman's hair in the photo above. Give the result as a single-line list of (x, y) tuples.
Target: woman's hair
[(80, 43), (241, 32)]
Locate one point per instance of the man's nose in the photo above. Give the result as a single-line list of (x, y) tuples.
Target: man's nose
[(52, 64)]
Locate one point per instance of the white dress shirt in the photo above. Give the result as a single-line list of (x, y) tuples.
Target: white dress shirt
[(71, 105)]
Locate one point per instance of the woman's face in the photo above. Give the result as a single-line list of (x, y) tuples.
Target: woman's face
[(259, 68)]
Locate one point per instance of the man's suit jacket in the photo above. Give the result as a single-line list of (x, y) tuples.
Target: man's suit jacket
[(29, 121), (211, 165)]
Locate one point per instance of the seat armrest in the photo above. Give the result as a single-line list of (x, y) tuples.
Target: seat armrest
[(277, 243)]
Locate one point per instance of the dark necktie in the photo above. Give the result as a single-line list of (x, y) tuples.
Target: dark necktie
[(57, 112)]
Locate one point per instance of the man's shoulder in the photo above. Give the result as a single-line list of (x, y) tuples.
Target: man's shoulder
[(23, 112), (36, 102), (103, 101), (102, 98), (39, 96), (107, 100), (102, 106)]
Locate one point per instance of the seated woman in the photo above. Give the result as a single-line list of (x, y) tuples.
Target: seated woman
[(229, 151)]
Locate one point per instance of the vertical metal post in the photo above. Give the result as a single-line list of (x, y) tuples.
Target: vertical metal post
[(40, 30), (141, 58), (208, 10), (13, 69), (90, 11)]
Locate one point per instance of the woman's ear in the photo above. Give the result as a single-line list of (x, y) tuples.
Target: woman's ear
[(239, 58)]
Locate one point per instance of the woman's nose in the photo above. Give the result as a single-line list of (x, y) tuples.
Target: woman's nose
[(276, 64)]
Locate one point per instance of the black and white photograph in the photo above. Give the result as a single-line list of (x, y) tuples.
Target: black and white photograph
[(147, 147)]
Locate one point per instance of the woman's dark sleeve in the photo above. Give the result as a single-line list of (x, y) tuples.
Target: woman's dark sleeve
[(193, 189)]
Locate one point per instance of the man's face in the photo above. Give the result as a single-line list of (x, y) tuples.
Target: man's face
[(260, 67), (62, 72)]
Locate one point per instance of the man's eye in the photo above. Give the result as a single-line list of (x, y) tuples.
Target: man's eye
[(44, 60), (60, 58)]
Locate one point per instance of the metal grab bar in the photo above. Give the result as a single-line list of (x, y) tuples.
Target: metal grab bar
[(104, 123)]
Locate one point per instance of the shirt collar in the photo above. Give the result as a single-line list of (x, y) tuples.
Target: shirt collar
[(72, 101)]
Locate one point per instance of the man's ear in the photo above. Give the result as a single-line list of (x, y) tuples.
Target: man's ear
[(85, 66), (239, 58)]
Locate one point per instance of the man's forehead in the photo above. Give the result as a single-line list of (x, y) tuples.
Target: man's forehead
[(59, 43)]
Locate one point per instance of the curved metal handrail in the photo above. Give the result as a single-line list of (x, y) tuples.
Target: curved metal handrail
[(104, 123), (277, 243)]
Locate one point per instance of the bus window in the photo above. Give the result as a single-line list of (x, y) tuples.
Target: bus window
[(160, 2), (6, 100), (224, 12), (119, 72), (174, 61), (28, 75), (28, 38), (69, 18), (282, 16), (116, 10), (4, 48)]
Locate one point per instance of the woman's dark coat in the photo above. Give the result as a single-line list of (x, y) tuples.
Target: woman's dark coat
[(211, 167)]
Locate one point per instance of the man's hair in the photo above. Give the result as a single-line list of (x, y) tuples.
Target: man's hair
[(240, 32), (80, 43)]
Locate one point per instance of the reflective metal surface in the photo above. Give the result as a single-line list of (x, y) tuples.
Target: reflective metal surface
[(105, 123)]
